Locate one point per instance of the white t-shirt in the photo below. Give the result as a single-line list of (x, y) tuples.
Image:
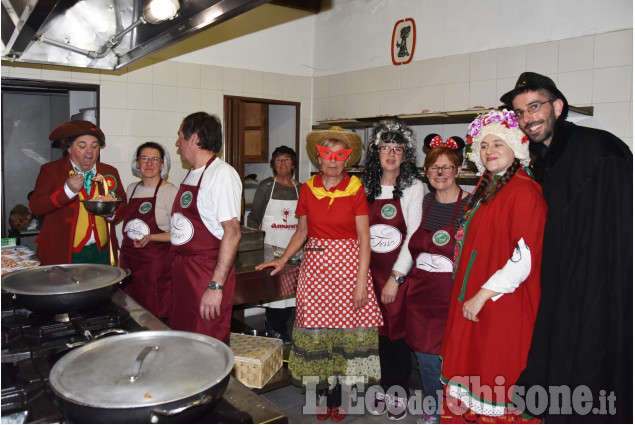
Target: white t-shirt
[(219, 195), (412, 208)]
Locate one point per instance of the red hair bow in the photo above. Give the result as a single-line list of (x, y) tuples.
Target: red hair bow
[(438, 141)]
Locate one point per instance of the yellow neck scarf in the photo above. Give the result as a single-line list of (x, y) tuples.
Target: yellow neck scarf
[(320, 192)]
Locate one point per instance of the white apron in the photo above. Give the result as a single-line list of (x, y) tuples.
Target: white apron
[(280, 223)]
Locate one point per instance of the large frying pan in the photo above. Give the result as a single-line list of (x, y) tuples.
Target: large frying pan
[(142, 377), (63, 288)]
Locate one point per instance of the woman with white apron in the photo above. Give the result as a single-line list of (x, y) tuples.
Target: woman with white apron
[(273, 211)]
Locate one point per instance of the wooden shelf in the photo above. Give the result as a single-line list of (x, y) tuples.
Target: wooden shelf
[(429, 118)]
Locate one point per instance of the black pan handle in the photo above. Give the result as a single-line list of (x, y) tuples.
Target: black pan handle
[(204, 399)]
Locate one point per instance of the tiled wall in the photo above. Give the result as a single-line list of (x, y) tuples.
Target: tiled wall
[(590, 71), (149, 100)]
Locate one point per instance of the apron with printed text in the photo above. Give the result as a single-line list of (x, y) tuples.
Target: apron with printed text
[(150, 281), (387, 235), (430, 284), (279, 224), (194, 253)]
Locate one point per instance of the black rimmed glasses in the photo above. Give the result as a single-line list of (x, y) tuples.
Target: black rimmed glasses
[(146, 159), (532, 109), (397, 150), (446, 169)]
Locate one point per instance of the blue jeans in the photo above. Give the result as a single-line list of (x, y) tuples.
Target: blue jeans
[(430, 371)]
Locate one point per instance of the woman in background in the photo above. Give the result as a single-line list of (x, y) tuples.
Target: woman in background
[(335, 332), (432, 251), (395, 195), (273, 210), (146, 230), (497, 277)]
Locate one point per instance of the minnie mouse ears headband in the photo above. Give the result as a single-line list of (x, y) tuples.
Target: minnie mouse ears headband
[(434, 140)]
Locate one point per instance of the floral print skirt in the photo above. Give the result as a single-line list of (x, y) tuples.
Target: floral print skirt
[(319, 355)]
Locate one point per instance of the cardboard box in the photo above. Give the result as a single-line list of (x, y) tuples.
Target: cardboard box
[(256, 358)]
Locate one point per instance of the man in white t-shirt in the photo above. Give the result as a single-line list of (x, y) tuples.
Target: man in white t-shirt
[(205, 232)]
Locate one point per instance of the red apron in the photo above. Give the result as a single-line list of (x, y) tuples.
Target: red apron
[(430, 284), (194, 254), (387, 234), (150, 282)]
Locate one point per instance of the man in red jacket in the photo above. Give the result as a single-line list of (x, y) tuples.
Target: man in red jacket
[(69, 233)]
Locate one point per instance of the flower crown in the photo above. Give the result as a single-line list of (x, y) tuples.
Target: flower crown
[(504, 117)]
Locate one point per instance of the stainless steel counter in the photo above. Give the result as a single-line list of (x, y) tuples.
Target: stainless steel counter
[(236, 394)]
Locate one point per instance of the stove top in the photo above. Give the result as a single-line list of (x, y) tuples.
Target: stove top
[(33, 342)]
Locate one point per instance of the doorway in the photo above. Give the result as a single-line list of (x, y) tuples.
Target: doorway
[(30, 111), (254, 128)]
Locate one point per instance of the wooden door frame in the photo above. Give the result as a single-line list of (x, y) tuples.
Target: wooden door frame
[(231, 106)]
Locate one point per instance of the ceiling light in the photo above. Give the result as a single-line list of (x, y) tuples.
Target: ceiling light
[(157, 11)]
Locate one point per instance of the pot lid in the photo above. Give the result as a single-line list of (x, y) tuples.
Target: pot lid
[(165, 366), (61, 279)]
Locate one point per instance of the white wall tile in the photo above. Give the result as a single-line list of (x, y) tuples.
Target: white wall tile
[(113, 94), (26, 70), (371, 104), (511, 62), (253, 82), (56, 73), (165, 123), (410, 100), (164, 98), (165, 73), (370, 80), (337, 85), (140, 72), (320, 87), (337, 107), (456, 96), (211, 77), (211, 102), (139, 96), (353, 106), (293, 87), (233, 80), (189, 75), (543, 57), (432, 71), (483, 93), (483, 65), (115, 76), (86, 75), (614, 117), (456, 68), (352, 82), (577, 87), (612, 84), (503, 85), (389, 78), (112, 122), (139, 123), (321, 109), (410, 75), (116, 152), (575, 54), (613, 49), (6, 71), (432, 98), (271, 84), (188, 100), (389, 102)]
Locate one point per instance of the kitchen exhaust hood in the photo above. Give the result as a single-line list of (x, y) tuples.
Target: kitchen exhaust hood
[(105, 34)]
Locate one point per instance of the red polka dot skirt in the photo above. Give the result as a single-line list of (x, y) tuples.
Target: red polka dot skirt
[(328, 275)]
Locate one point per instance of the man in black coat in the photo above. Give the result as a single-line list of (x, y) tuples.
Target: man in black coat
[(583, 335)]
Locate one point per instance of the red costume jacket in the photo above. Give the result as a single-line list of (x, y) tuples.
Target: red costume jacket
[(60, 212)]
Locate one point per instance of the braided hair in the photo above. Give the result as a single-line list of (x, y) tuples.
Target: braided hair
[(483, 194), (390, 131)]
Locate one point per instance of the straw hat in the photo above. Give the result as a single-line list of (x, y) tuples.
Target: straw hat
[(350, 138)]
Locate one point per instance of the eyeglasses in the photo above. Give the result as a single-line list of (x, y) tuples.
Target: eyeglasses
[(532, 109), (447, 169), (145, 159), (397, 150)]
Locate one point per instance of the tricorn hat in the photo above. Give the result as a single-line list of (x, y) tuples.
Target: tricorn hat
[(72, 129), (350, 138), (533, 81)]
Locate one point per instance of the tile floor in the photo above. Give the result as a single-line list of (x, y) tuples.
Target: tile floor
[(290, 400)]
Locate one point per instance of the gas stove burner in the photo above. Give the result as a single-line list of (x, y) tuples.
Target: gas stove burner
[(63, 318)]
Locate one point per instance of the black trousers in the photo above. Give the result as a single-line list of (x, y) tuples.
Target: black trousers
[(395, 359)]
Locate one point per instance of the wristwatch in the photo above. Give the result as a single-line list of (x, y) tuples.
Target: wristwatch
[(215, 285), (399, 279)]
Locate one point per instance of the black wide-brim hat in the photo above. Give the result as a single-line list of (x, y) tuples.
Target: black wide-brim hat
[(533, 81)]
